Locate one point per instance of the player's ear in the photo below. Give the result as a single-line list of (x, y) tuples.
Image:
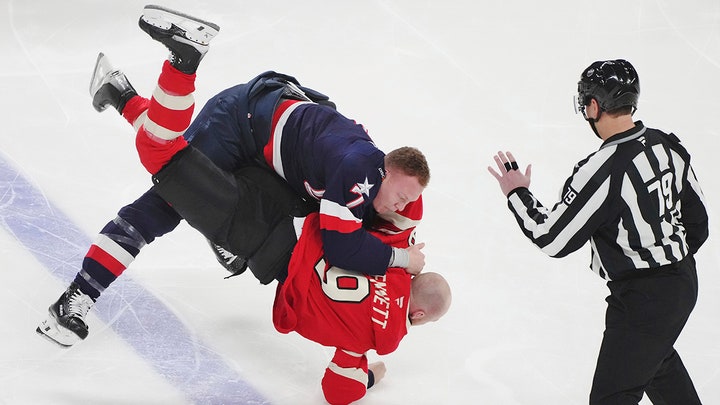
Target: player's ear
[(417, 316)]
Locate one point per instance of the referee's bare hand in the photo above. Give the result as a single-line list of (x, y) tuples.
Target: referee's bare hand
[(508, 175)]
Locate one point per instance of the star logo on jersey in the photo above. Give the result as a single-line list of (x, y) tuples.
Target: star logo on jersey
[(363, 188)]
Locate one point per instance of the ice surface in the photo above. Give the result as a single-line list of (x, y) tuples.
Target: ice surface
[(458, 79)]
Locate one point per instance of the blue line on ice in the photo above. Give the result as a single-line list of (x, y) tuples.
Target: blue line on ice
[(168, 346)]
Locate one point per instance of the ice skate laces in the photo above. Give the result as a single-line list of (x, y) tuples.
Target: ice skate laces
[(228, 256), (78, 304)]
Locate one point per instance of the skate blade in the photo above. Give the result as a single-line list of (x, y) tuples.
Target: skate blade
[(102, 69), (196, 30), (55, 333)]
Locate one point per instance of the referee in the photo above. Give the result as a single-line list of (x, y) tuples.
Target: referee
[(638, 202)]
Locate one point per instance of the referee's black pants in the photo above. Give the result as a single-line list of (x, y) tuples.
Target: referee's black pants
[(644, 318)]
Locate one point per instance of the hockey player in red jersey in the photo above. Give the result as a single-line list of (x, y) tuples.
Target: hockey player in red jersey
[(271, 124), (356, 312), (249, 210)]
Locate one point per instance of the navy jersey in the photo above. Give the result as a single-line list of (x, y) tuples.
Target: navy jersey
[(332, 159)]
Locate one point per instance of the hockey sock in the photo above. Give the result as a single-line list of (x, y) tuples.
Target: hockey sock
[(168, 116), (135, 111), (115, 248)]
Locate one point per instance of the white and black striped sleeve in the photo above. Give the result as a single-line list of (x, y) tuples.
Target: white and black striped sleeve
[(636, 200), (572, 221), (694, 214)]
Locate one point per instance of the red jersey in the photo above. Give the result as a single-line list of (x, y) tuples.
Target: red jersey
[(350, 311)]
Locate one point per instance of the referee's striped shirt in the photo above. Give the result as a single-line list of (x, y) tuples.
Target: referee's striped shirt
[(636, 200)]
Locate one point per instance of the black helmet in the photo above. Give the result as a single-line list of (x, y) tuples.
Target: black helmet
[(613, 83)]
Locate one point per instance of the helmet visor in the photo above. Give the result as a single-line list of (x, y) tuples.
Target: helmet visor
[(582, 98)]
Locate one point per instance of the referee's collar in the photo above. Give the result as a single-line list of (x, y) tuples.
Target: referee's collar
[(633, 133)]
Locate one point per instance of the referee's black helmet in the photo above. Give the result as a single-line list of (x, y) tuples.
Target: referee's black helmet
[(612, 83)]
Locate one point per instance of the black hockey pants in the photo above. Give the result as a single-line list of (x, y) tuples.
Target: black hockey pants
[(644, 319)]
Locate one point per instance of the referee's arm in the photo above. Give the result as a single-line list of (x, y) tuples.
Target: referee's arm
[(693, 213)]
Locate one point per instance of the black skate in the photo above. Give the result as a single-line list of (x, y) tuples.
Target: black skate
[(109, 86), (186, 37), (65, 324), (233, 263)]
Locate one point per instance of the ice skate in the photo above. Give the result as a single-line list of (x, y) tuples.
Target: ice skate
[(229, 260), (109, 86), (185, 36), (65, 324)]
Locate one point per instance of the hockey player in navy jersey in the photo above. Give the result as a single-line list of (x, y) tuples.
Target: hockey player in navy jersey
[(638, 202), (270, 123), (250, 211)]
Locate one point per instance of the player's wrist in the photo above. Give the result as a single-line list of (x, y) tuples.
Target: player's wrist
[(399, 258)]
